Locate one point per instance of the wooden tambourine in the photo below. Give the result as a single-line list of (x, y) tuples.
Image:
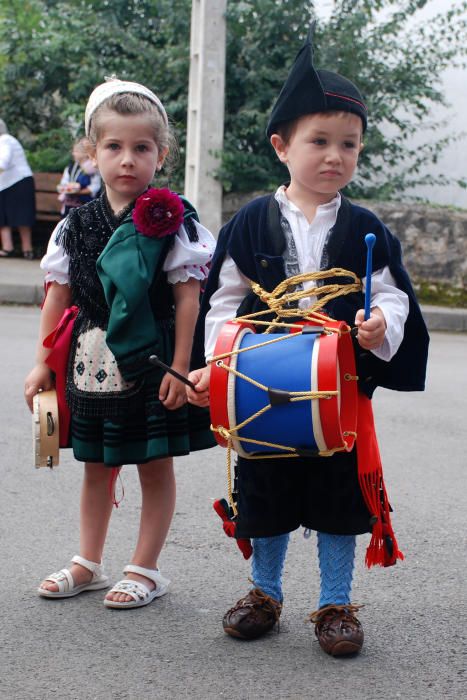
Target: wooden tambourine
[(45, 429)]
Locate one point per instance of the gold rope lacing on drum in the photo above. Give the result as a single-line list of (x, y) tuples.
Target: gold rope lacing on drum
[(280, 299), (283, 302)]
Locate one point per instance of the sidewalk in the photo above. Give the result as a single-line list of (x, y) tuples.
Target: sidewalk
[(22, 282)]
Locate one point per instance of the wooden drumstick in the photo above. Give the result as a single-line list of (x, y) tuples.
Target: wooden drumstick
[(154, 360), (370, 239)]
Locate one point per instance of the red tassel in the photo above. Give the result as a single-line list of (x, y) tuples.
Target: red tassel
[(222, 509), (114, 474), (229, 528), (245, 547)]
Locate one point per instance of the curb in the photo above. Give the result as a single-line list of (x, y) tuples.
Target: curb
[(437, 318), (31, 293), (27, 295)]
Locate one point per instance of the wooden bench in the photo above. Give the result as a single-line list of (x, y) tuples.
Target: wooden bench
[(47, 204), (47, 208)]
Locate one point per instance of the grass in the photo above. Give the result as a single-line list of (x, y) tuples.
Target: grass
[(441, 294)]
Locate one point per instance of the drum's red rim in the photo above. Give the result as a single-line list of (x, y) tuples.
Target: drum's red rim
[(327, 381), (220, 377), (349, 389), (338, 417)]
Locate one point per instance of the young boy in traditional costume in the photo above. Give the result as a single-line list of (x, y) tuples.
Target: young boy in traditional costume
[(316, 129), (131, 262)]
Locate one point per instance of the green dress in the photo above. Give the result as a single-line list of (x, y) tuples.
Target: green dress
[(126, 314)]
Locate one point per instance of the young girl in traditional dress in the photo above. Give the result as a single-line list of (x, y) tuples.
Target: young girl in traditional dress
[(132, 262)]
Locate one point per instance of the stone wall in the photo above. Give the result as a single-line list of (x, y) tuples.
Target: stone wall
[(434, 239)]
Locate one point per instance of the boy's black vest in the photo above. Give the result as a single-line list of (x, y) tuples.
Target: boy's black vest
[(255, 241)]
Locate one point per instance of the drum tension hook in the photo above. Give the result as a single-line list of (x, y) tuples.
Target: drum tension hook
[(305, 452), (278, 397)]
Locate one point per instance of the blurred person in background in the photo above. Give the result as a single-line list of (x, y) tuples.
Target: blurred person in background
[(17, 198), (80, 180)]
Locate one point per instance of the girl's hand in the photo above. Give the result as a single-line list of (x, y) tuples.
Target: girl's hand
[(38, 379), (372, 331), (200, 378), (172, 392)]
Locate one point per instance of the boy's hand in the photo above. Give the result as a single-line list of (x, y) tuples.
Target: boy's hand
[(172, 392), (200, 378), (38, 379), (372, 331)]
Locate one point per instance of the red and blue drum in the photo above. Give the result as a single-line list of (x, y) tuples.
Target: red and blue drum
[(301, 390)]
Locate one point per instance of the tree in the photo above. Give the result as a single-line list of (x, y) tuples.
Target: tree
[(397, 59), (394, 58), (262, 37), (52, 53), (55, 52)]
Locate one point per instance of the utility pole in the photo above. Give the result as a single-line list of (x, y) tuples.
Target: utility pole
[(205, 132)]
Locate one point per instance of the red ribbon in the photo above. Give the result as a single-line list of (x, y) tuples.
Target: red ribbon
[(222, 509)]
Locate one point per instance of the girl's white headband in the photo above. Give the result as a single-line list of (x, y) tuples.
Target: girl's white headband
[(113, 87)]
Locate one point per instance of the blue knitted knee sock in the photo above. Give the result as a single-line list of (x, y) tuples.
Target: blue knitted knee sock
[(336, 560), (268, 562)]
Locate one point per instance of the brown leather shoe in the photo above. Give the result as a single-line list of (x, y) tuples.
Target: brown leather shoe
[(338, 630), (252, 616)]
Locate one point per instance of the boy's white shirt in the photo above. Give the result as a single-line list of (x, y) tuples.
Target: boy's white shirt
[(184, 260), (309, 240)]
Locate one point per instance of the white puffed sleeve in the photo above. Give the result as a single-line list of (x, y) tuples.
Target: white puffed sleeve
[(232, 289), (56, 262), (394, 303), (189, 258)]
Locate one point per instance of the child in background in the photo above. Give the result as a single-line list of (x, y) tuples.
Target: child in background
[(316, 129), (80, 180), (132, 261)]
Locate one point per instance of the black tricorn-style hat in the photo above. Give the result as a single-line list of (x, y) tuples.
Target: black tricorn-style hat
[(308, 91)]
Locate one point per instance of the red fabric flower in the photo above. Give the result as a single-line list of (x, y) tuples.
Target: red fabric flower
[(158, 213)]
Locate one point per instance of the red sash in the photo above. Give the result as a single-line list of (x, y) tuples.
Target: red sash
[(59, 342), (383, 549)]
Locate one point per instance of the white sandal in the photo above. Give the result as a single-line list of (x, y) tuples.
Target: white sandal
[(140, 593), (66, 584)]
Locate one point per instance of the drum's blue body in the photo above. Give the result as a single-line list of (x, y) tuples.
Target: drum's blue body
[(286, 365)]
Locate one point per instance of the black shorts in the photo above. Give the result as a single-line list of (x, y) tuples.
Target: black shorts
[(18, 204), (276, 496)]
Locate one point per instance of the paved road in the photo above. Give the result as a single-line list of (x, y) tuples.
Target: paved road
[(415, 614)]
